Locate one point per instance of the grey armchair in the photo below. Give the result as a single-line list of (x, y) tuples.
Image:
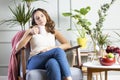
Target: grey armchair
[(40, 74)]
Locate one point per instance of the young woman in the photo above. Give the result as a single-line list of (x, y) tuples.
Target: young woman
[(44, 53)]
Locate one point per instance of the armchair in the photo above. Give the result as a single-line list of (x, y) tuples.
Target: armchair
[(38, 74)]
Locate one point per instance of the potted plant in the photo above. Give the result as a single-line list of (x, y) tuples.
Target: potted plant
[(81, 25), (21, 15), (99, 39), (81, 36), (82, 40)]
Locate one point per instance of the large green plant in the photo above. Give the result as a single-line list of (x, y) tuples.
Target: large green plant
[(82, 23), (97, 35), (21, 15)]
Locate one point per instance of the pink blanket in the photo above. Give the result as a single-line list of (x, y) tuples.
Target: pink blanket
[(13, 65)]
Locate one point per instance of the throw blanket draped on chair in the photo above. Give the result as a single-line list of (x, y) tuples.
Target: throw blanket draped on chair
[(12, 67)]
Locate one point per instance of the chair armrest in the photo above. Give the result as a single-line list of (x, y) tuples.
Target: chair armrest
[(78, 55), (74, 47)]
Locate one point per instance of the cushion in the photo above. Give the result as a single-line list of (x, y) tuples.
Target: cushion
[(40, 74)]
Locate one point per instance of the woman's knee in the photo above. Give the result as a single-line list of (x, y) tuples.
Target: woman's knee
[(53, 69), (60, 51), (52, 63)]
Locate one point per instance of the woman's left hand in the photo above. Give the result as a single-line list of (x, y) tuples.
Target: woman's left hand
[(47, 49)]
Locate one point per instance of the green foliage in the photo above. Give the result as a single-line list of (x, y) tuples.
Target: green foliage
[(82, 24), (103, 40), (97, 34), (20, 16), (81, 31)]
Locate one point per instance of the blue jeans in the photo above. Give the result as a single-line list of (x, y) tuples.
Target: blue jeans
[(54, 61)]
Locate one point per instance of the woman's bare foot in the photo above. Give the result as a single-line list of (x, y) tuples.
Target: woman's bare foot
[(68, 78)]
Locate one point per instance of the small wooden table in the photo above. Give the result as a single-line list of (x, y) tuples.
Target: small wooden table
[(95, 66)]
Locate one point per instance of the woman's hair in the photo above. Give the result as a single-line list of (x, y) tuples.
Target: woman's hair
[(49, 24)]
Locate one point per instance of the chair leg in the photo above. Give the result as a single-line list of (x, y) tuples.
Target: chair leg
[(100, 76), (19, 78), (97, 76)]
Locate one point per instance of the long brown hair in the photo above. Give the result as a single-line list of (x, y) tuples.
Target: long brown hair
[(50, 23)]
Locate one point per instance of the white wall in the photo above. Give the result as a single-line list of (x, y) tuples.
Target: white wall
[(55, 8)]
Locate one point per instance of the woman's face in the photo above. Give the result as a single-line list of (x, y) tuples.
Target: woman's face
[(40, 18)]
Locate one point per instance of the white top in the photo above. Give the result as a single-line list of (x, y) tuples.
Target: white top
[(96, 64), (41, 41)]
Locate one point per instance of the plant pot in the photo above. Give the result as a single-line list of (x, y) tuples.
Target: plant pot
[(82, 42)]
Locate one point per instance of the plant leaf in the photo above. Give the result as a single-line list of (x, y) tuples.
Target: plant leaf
[(84, 11), (67, 14)]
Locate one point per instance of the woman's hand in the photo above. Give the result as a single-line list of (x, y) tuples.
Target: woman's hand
[(34, 30), (47, 49)]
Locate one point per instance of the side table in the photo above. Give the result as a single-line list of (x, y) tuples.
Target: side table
[(95, 66)]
